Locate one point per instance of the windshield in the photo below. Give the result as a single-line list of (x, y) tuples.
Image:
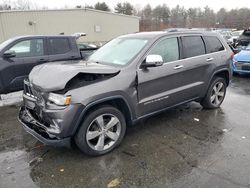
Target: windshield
[(119, 51)]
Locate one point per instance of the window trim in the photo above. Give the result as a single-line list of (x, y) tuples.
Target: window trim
[(179, 36), (50, 49)]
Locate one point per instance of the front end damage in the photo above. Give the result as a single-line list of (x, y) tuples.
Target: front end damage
[(45, 119), (40, 131), (50, 126)]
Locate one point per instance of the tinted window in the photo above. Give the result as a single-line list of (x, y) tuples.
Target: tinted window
[(59, 45), (213, 44), (193, 46), (29, 48), (168, 49)]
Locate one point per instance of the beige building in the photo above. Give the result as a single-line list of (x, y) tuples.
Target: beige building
[(100, 26)]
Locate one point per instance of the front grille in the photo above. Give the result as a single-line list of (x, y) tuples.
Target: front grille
[(242, 66), (31, 92), (28, 90), (37, 111)]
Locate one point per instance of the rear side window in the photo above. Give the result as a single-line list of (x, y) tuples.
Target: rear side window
[(213, 44), (168, 49), (59, 46), (193, 46)]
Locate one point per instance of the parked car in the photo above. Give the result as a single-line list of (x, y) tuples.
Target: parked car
[(235, 36), (241, 61), (19, 55), (244, 39), (130, 78), (227, 35)]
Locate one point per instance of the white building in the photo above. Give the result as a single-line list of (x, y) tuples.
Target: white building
[(99, 25)]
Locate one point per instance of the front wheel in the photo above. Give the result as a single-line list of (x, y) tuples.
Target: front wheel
[(101, 131), (216, 93)]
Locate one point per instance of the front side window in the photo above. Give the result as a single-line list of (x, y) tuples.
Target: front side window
[(193, 46), (213, 44), (29, 48), (59, 46), (168, 49), (119, 51)]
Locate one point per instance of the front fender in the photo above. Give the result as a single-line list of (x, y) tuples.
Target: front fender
[(103, 101)]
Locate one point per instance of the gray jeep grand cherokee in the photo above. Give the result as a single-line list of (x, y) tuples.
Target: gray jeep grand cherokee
[(130, 78)]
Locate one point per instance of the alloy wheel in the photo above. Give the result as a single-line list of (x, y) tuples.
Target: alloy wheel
[(218, 94), (103, 132)]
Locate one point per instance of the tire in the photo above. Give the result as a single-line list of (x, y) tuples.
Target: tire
[(215, 94), (94, 137)]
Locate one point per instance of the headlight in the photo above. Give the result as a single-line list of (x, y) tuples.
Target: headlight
[(60, 100)]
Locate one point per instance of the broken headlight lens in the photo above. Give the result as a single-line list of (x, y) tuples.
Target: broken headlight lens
[(60, 100)]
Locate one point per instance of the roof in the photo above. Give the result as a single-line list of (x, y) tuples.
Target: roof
[(42, 36), (156, 34)]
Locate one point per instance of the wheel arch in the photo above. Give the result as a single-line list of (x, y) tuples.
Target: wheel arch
[(224, 73), (118, 102)]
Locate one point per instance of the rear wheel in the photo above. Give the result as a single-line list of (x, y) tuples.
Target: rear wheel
[(216, 93), (101, 131)]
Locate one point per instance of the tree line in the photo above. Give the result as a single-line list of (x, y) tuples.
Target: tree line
[(162, 16)]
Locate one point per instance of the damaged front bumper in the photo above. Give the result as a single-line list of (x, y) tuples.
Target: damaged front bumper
[(40, 131), (52, 126)]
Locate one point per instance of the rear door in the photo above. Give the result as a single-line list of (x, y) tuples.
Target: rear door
[(197, 65), (60, 48), (29, 53)]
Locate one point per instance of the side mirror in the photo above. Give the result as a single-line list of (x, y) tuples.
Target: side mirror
[(153, 61), (9, 54)]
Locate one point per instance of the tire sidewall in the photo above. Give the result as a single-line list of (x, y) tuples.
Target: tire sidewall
[(80, 137), (215, 81)]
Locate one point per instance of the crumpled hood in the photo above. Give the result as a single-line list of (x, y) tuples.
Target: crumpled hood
[(243, 56), (54, 76)]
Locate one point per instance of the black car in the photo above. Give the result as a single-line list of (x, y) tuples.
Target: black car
[(20, 54)]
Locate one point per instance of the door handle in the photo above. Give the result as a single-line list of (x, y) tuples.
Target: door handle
[(178, 67), (210, 59), (42, 60)]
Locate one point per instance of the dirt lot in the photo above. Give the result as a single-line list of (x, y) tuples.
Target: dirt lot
[(183, 147)]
